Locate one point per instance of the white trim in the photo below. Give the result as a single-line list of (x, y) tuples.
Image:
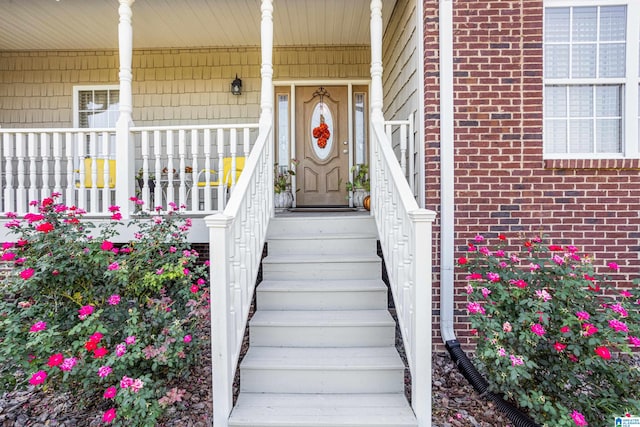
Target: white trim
[(630, 82), (421, 191)]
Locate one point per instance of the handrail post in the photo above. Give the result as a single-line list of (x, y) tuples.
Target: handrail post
[(125, 170), (422, 220), (221, 375)]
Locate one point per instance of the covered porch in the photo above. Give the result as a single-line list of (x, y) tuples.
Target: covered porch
[(167, 149)]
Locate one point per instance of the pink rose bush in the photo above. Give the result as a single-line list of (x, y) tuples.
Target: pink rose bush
[(554, 334), (113, 302)]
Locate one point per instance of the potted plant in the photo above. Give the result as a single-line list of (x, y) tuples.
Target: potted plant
[(151, 182), (283, 197), (360, 185)]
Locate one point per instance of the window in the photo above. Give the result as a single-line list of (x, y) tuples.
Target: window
[(96, 107), (591, 70)]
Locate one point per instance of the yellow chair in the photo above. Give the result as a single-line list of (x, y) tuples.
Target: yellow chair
[(226, 173), (88, 175)]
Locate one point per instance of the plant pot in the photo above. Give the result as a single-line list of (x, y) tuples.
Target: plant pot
[(283, 200), (358, 197)]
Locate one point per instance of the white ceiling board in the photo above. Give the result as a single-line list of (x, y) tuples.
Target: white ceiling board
[(93, 24)]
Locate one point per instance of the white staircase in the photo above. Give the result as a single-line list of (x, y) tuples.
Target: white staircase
[(322, 343)]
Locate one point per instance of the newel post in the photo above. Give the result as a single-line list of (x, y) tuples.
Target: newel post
[(266, 94), (124, 149), (220, 272), (422, 221)]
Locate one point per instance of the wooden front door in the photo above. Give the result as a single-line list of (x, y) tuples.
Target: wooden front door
[(323, 167)]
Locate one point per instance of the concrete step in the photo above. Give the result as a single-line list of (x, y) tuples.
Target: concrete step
[(322, 370), (321, 295), (343, 243), (318, 225), (322, 410), (353, 328), (314, 267)]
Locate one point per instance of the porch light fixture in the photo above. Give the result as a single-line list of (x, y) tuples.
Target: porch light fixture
[(236, 86)]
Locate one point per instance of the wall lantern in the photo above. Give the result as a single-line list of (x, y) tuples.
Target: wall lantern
[(236, 86)]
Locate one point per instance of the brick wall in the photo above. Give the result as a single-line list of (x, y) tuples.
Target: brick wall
[(502, 182)]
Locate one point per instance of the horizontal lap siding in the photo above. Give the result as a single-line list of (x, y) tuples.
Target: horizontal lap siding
[(502, 182)]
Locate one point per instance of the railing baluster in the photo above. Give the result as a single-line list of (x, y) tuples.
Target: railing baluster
[(8, 152), (21, 195), (70, 197), (106, 173), (195, 148), (207, 171), (57, 163), (32, 154), (221, 178), (157, 192), (182, 189), (44, 153), (170, 167)]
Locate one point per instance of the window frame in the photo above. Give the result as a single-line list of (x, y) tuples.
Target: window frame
[(630, 82), (87, 88)]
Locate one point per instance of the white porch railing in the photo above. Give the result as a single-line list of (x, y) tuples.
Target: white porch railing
[(405, 237), (237, 237), (80, 165), (400, 134)]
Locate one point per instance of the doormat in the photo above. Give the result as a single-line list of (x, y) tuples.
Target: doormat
[(323, 209)]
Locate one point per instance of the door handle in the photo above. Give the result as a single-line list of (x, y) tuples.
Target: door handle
[(345, 151), (345, 143)]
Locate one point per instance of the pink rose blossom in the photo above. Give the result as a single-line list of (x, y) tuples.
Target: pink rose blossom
[(109, 416), (625, 294), (618, 308), (565, 329), (559, 347), (469, 288), (130, 340), (475, 307), (618, 326), (96, 337), (558, 259), (634, 341), (603, 352), (137, 385), (502, 352), (8, 256), (187, 339), (27, 273), (538, 329), (582, 315), (106, 245), (207, 263), (113, 266), (479, 238), (85, 311), (518, 283), (114, 299), (578, 418), (104, 371), (515, 361), (506, 327), (494, 277), (38, 326), (55, 360), (38, 378), (126, 382), (589, 329), (534, 267), (68, 364), (613, 266), (543, 295), (110, 393), (485, 292), (121, 349)]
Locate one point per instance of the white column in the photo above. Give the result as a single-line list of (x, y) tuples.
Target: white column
[(266, 71), (125, 154), (376, 60), (266, 95)]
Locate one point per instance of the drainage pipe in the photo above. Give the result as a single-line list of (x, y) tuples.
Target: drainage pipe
[(447, 223)]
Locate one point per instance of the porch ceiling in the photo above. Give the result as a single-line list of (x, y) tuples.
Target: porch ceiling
[(93, 24)]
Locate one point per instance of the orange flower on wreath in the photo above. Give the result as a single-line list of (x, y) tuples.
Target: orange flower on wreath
[(322, 133)]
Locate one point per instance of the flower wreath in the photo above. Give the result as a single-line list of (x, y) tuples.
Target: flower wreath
[(322, 133)]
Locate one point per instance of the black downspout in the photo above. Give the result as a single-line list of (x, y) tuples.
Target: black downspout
[(475, 378)]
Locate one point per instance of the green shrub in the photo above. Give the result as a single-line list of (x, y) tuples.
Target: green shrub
[(552, 335), (112, 324)]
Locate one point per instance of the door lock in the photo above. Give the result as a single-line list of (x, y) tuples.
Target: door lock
[(345, 151)]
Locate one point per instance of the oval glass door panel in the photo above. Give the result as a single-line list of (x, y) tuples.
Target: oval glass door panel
[(321, 144)]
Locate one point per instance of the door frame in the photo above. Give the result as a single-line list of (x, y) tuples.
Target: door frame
[(292, 84)]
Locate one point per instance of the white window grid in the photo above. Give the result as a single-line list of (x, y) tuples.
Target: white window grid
[(629, 84)]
